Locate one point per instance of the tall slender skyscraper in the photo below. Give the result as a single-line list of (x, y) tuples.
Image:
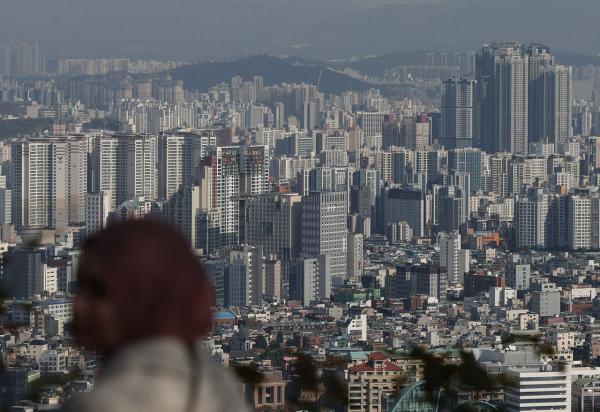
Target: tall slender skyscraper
[(550, 96), (503, 90), (457, 113)]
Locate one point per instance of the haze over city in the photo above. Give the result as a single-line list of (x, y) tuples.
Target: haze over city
[(194, 30), (299, 205)]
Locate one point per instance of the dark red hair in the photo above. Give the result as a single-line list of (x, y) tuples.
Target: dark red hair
[(157, 285)]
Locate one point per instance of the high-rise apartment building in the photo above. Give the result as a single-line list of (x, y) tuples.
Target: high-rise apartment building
[(182, 209), (49, 181), (457, 113), (355, 262), (235, 171), (550, 96), (579, 222), (125, 165), (503, 90), (179, 155), (97, 211), (25, 59), (531, 220), (453, 257)]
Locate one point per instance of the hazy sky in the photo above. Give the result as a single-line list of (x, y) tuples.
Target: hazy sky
[(209, 29)]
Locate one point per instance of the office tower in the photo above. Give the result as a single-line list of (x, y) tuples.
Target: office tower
[(324, 230), (125, 165), (274, 224), (355, 256), (310, 279), (469, 161), (435, 124), (453, 257), (547, 388), (49, 182), (531, 220), (452, 208), (215, 272), (22, 273), (405, 205), (503, 90), (550, 97), (579, 222), (399, 285), (179, 156), (14, 385), (208, 231), (97, 211), (244, 277), (457, 113)]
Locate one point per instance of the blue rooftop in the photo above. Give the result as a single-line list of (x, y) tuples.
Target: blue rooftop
[(223, 314)]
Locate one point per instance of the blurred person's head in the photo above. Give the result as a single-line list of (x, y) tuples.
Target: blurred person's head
[(138, 280)]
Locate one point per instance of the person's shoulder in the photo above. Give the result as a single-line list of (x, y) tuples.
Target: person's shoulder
[(130, 391), (219, 390)]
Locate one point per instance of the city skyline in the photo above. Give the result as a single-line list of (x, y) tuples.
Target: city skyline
[(375, 224)]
